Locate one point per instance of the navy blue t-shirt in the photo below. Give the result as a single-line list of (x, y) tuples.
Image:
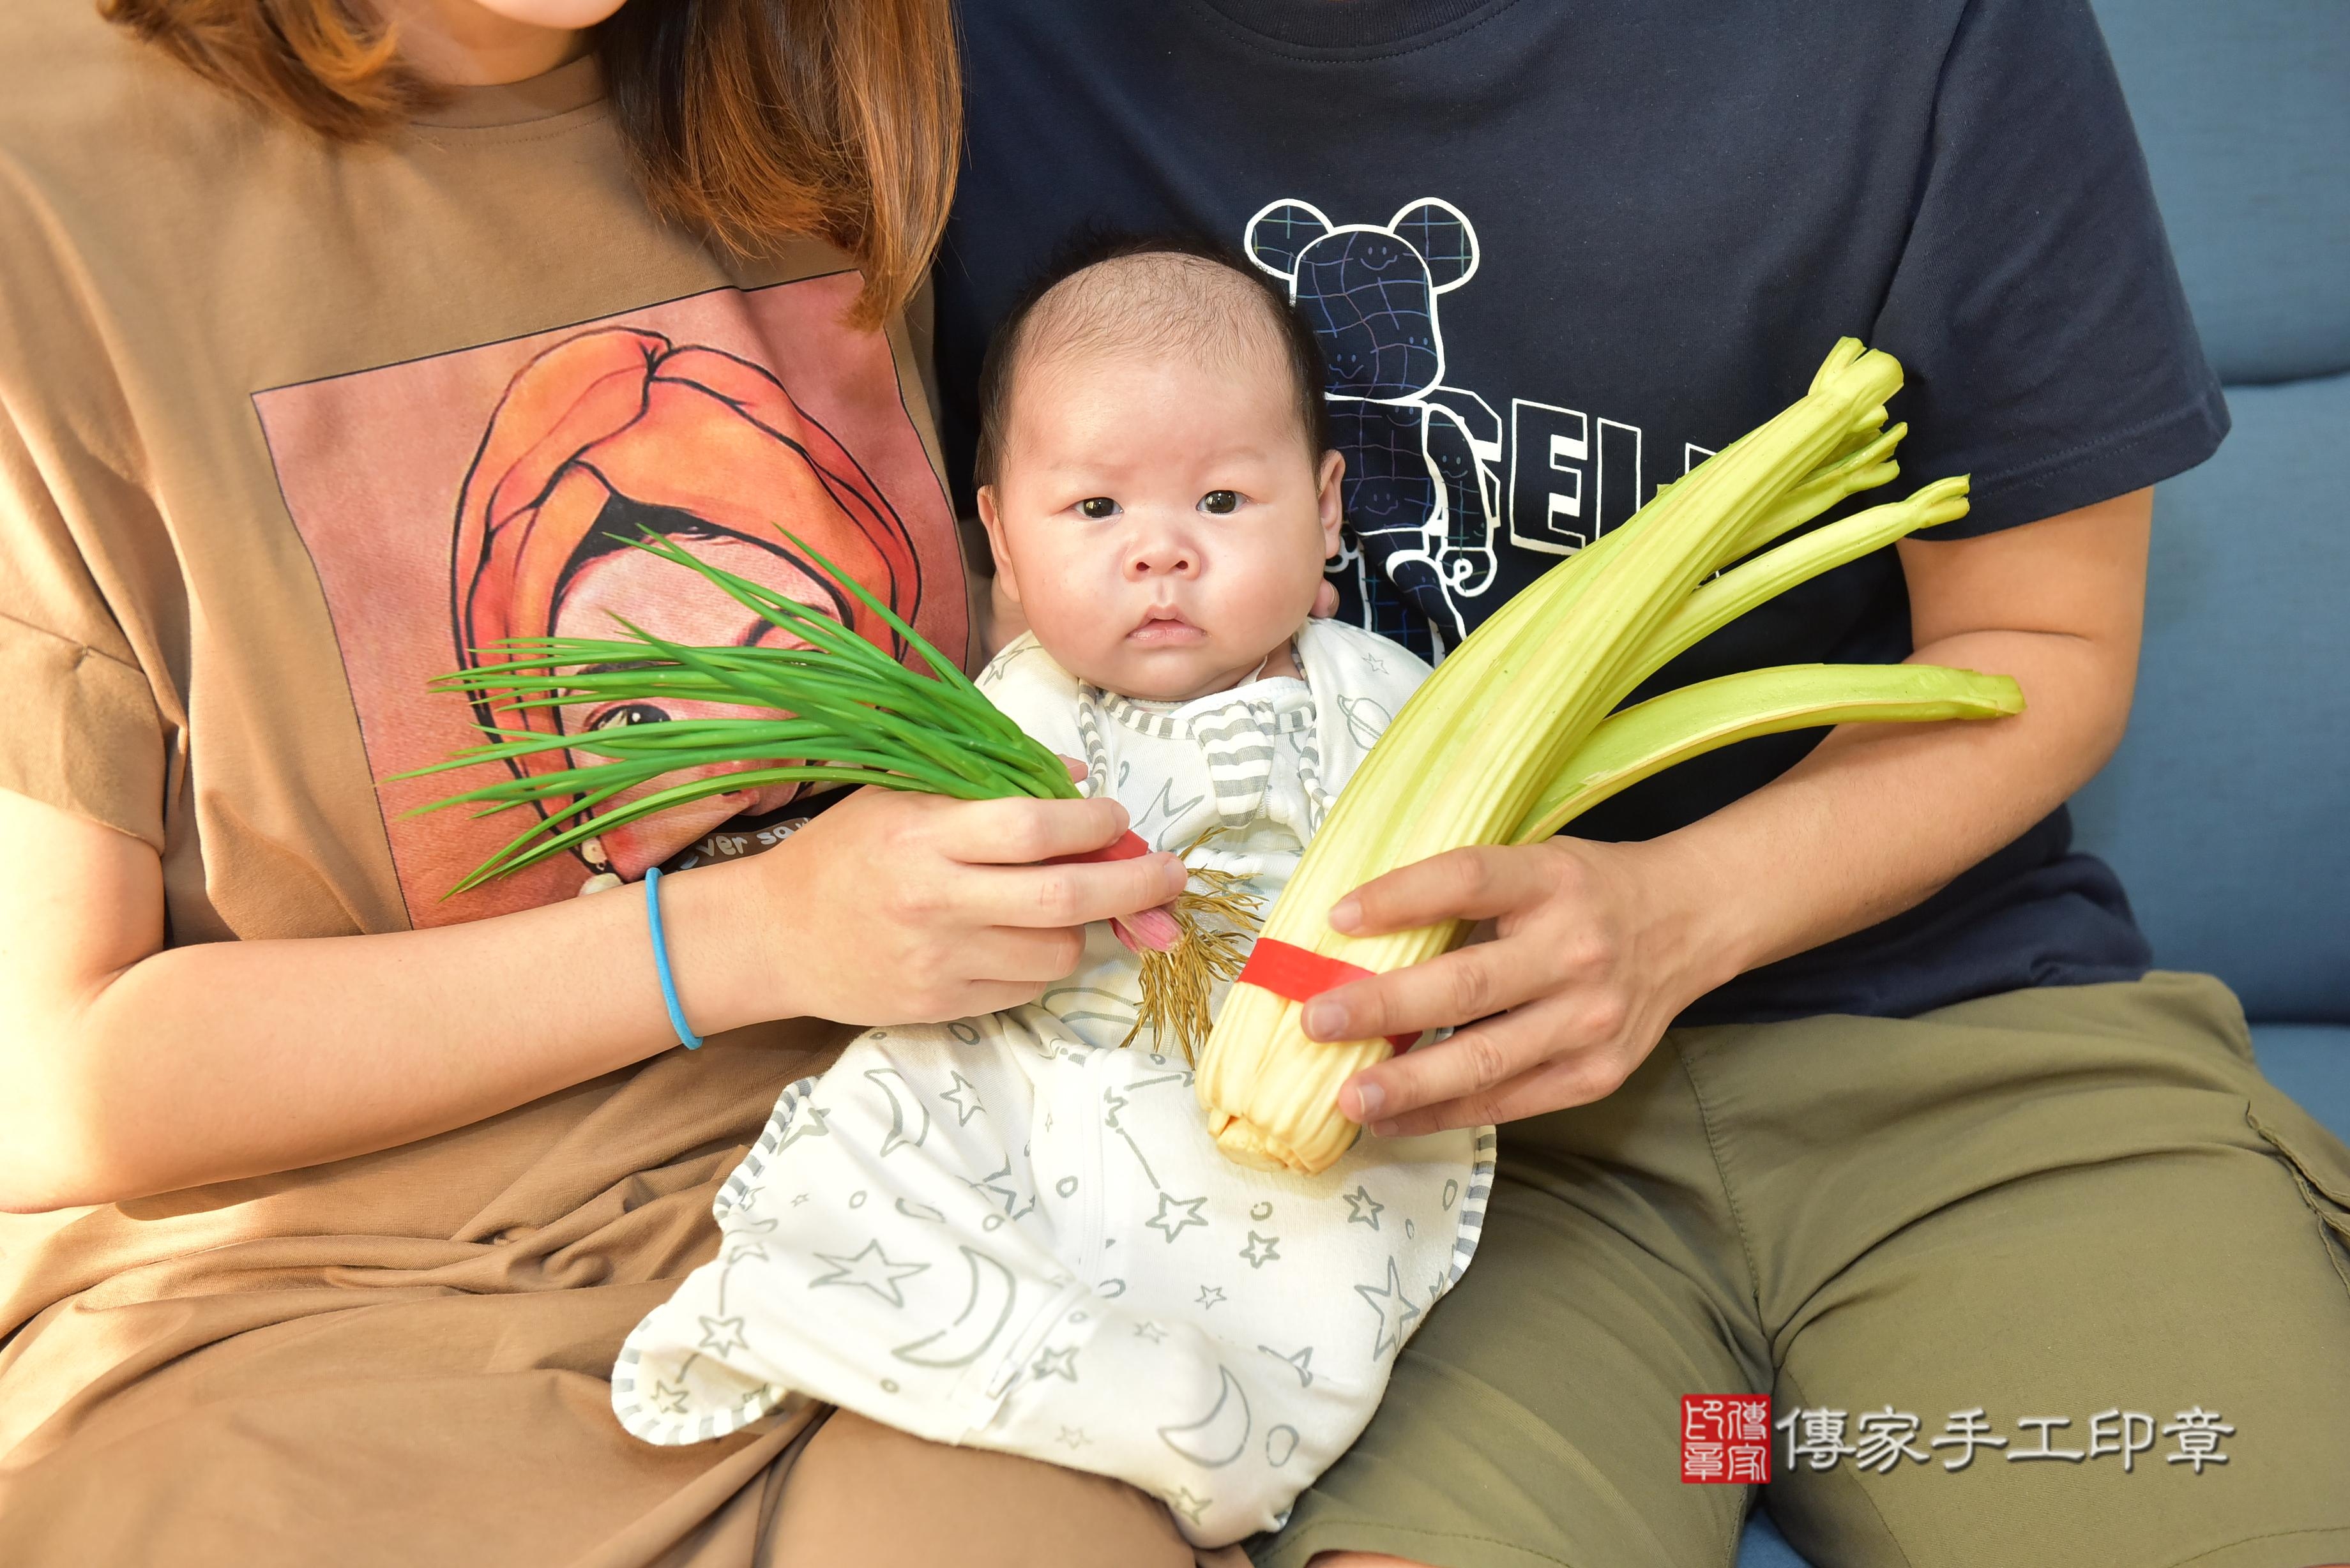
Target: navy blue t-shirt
[(1557, 251)]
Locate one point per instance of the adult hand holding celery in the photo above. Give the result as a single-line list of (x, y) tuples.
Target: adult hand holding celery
[(1512, 736)]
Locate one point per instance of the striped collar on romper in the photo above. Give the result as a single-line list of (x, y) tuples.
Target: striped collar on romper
[(1235, 732)]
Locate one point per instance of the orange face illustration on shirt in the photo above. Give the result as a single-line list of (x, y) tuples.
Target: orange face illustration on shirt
[(616, 434), (457, 500)]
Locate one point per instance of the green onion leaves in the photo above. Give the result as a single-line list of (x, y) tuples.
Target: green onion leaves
[(836, 709)]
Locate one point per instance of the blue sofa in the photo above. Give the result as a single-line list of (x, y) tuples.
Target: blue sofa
[(2227, 810)]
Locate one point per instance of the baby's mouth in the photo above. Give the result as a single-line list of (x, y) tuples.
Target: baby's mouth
[(1166, 628)]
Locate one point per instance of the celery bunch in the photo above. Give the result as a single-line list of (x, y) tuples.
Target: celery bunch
[(1512, 736)]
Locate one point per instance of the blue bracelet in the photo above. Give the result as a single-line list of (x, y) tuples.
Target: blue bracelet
[(685, 1037)]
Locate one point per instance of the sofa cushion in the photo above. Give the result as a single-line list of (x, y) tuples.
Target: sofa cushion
[(2247, 137), (2311, 1062), (1763, 1547), (2224, 810)]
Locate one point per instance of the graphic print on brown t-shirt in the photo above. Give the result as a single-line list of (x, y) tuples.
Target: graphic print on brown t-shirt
[(488, 493)]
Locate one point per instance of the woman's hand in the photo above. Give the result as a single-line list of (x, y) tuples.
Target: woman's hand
[(932, 909), (1595, 948)]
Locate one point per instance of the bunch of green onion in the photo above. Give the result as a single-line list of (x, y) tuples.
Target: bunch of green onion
[(838, 710)]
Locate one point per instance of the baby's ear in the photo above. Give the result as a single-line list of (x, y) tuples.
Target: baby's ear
[(1329, 499), (992, 521)]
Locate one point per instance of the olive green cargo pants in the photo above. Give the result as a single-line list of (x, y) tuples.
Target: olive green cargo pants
[(2080, 1206)]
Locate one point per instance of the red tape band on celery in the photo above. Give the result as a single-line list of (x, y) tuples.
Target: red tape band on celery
[(1296, 974)]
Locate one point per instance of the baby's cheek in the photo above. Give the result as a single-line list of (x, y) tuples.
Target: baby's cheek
[(1074, 630), (1274, 598), (1066, 592)]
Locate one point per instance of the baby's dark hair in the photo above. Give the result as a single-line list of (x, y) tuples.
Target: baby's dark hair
[(1178, 292)]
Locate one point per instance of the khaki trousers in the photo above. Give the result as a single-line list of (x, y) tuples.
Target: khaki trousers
[(2060, 1205)]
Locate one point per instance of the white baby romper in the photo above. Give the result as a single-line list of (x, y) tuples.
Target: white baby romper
[(1005, 1231)]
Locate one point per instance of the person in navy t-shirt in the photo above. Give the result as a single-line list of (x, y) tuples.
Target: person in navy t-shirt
[(1556, 253)]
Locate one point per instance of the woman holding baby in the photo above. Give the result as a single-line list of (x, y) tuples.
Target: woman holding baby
[(324, 348), (332, 355)]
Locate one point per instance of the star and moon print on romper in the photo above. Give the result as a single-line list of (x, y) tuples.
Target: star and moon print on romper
[(1261, 1313)]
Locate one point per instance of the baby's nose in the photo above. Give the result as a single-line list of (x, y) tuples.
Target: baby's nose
[(1167, 556)]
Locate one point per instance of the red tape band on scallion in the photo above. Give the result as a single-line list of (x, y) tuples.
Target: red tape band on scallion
[(1297, 974), (1125, 846)]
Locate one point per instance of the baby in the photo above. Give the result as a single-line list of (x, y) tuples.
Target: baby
[(1007, 1230)]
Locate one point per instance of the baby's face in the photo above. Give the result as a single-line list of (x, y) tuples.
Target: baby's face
[(1160, 521)]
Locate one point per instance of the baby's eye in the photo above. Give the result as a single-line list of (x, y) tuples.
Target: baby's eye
[(1219, 502), (1098, 507)]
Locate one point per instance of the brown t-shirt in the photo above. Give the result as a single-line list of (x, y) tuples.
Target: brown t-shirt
[(288, 428)]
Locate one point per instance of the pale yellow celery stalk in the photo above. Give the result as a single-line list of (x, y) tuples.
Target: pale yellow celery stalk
[(1647, 738), (1862, 469), (1441, 779), (1742, 588)]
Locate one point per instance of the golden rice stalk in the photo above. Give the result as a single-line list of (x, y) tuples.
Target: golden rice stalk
[(1214, 922)]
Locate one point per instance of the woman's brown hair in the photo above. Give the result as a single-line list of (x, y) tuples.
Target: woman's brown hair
[(746, 119)]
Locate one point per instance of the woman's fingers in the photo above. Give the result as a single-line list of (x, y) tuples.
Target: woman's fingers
[(1023, 955), (1069, 895), (1005, 966), (1019, 831), (1011, 966), (930, 913), (999, 845), (1480, 883), (990, 869)]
